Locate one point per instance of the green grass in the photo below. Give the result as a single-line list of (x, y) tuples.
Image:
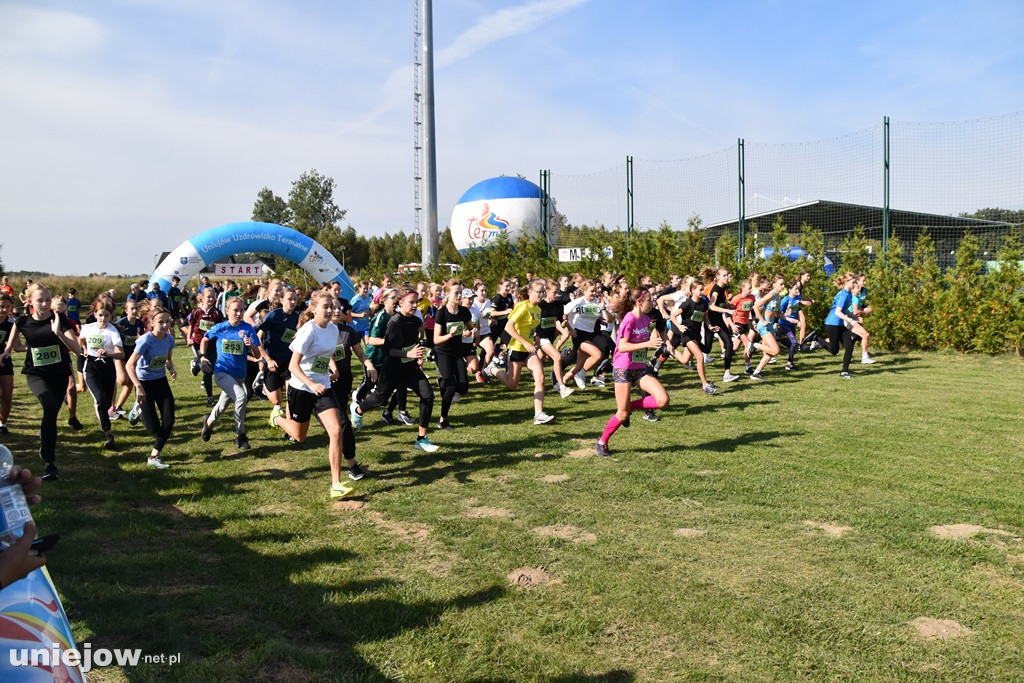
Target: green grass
[(238, 562)]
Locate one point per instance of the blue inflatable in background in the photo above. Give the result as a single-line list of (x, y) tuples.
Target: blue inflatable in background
[(235, 238), (797, 253)]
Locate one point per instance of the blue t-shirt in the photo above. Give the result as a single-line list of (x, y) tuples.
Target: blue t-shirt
[(787, 303), (158, 295), (360, 304), (73, 305), (278, 330), (153, 354), (841, 302), (231, 349)]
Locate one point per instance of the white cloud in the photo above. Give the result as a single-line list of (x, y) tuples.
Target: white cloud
[(27, 31)]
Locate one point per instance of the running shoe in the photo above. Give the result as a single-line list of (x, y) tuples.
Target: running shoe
[(757, 376), (108, 443), (479, 377), (74, 423), (444, 424), (729, 377), (542, 418), (211, 401), (258, 382), (50, 473), (581, 380), (710, 389), (689, 366), (355, 473), (846, 375), (814, 345), (597, 381), (120, 411), (651, 416), (405, 418), (708, 359), (112, 414), (602, 450), (457, 397), (627, 421), (135, 415), (425, 444), (866, 360), (339, 490), (207, 431), (357, 419), (4, 430), (242, 441), (388, 419), (790, 366), (277, 412), (653, 371), (749, 370), (155, 462), (565, 392), (772, 359), (196, 366)]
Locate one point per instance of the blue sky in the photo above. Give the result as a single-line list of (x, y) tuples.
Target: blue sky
[(129, 126)]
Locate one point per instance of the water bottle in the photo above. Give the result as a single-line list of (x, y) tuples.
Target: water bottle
[(14, 512)]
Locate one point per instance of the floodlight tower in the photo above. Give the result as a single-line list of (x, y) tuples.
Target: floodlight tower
[(424, 148)]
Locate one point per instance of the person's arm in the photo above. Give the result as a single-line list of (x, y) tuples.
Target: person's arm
[(67, 337), (140, 392), (5, 355), (371, 372), (759, 303), (440, 320)]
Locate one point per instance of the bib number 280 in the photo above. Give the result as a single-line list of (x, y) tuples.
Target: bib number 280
[(46, 355)]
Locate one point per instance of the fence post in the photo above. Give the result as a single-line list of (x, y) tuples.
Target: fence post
[(886, 226), (545, 207), (741, 222), (629, 201)]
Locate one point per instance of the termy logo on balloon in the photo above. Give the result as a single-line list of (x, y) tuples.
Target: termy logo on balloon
[(485, 226)]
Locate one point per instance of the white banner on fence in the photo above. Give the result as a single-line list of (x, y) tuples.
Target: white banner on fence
[(570, 254), (239, 269)]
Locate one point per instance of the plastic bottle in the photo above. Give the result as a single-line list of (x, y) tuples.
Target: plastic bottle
[(14, 511)]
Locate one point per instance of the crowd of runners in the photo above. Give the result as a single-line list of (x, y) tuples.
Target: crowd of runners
[(294, 349)]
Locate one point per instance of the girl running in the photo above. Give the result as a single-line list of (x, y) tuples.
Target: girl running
[(789, 321), (404, 354), (840, 321), (859, 294), (309, 389), (452, 324), (766, 308), (59, 306), (689, 317), (522, 323), (481, 311), (147, 367), (6, 369), (633, 348), (582, 315), (552, 334), (48, 339), (233, 339), (719, 312), (102, 344), (277, 330), (131, 326), (199, 322)]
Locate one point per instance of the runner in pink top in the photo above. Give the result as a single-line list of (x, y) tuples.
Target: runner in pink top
[(633, 348)]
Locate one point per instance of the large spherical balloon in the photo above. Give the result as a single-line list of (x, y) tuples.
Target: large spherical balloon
[(498, 205)]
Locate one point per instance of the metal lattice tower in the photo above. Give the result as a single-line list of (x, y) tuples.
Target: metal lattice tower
[(417, 117)]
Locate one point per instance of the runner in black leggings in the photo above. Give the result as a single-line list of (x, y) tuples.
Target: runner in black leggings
[(839, 321), (48, 338), (147, 368), (452, 323), (102, 344)]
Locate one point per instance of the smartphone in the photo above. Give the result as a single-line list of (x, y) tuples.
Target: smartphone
[(41, 545)]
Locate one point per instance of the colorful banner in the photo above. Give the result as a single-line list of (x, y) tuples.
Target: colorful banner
[(35, 634)]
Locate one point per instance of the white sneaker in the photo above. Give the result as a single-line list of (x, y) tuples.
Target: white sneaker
[(542, 418), (707, 359), (815, 345), (772, 359), (155, 462), (565, 392), (581, 380), (729, 377), (866, 360)]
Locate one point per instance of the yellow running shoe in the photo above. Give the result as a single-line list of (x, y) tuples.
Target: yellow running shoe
[(339, 490)]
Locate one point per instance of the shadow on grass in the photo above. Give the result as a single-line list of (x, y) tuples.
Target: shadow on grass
[(613, 676), (136, 571)]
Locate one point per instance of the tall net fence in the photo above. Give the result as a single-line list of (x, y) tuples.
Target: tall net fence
[(950, 177)]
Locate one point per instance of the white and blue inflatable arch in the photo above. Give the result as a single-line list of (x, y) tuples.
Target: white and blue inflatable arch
[(797, 253), (218, 243)]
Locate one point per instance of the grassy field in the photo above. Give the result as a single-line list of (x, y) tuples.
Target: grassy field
[(776, 531)]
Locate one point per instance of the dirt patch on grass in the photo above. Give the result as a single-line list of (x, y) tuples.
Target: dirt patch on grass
[(834, 530), (277, 509), (688, 533), (347, 505), (584, 449), (708, 473), (566, 533), (939, 629), (531, 577), (556, 478), (961, 531), (484, 512), (544, 456), (411, 531)]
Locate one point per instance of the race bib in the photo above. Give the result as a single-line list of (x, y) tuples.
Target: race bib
[(3, 336), (322, 364), (590, 309), (287, 336), (205, 325), (485, 314), (747, 306), (548, 323), (794, 307), (697, 316), (129, 339), (640, 355), (157, 362), (95, 341), (72, 309), (46, 355), (340, 352), (233, 347), (407, 349), (456, 328)]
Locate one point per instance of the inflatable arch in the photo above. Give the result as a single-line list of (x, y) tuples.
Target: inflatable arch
[(208, 247)]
